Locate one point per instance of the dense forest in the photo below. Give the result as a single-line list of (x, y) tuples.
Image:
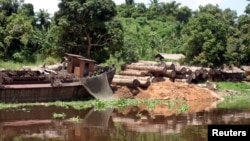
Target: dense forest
[(103, 31)]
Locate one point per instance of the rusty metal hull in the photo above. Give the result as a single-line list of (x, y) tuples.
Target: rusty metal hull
[(45, 91), (42, 92)]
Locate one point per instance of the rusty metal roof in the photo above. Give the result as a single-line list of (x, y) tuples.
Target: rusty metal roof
[(80, 57)]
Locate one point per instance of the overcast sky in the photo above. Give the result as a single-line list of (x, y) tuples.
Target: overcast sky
[(238, 5)]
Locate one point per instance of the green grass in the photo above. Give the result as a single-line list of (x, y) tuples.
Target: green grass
[(102, 104), (240, 100), (39, 61), (10, 65), (242, 87)]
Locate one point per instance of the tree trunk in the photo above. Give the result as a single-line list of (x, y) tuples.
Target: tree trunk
[(126, 82), (170, 73), (152, 69), (182, 80), (131, 72), (144, 78), (89, 46), (170, 65), (180, 69), (149, 63), (145, 83)]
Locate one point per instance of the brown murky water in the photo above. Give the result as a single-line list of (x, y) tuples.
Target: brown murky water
[(37, 123)]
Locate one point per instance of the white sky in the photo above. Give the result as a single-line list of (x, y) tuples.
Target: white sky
[(238, 5)]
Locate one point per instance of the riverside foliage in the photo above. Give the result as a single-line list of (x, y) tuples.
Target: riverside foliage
[(209, 36)]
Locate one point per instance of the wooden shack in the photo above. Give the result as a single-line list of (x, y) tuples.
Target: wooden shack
[(246, 69), (79, 65), (232, 73), (169, 57)]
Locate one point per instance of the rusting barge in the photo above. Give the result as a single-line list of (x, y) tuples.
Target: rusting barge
[(66, 84)]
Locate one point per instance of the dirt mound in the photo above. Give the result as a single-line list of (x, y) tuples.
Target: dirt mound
[(196, 98), (167, 90)]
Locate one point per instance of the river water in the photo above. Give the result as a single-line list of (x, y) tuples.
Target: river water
[(40, 123)]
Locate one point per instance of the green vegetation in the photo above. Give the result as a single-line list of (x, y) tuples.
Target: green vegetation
[(242, 87), (59, 115), (39, 61), (122, 33), (238, 100), (76, 119), (180, 105)]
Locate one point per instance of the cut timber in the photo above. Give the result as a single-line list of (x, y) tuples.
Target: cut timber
[(189, 79), (182, 80), (192, 76), (180, 69), (144, 83), (195, 70), (181, 76), (210, 71), (157, 79), (170, 65), (152, 69), (145, 78), (204, 74), (170, 73), (149, 63), (135, 72), (126, 82)]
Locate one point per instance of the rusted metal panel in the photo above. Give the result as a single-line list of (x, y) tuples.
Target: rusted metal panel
[(41, 94)]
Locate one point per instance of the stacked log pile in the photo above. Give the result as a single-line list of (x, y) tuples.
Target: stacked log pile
[(142, 73)]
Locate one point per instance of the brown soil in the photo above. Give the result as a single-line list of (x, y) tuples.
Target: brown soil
[(167, 90), (197, 98)]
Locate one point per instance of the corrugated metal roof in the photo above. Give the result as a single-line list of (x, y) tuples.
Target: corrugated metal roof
[(169, 56), (246, 68), (232, 69)]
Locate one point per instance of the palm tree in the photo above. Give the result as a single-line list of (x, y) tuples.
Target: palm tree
[(43, 19), (129, 2)]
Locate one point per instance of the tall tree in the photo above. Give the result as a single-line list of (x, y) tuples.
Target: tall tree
[(129, 2), (15, 29), (43, 19), (206, 39), (88, 27), (244, 28)]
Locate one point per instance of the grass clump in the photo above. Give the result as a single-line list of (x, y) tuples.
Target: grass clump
[(240, 100)]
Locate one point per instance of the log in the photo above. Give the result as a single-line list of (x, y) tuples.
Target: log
[(189, 79), (157, 79), (180, 69), (217, 71), (144, 78), (192, 75), (131, 72), (182, 80), (144, 83), (149, 63), (181, 76), (31, 68), (152, 69), (210, 71), (170, 65), (204, 74), (196, 70), (170, 73), (126, 82)]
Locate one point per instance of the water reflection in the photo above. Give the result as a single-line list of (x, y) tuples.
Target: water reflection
[(37, 123)]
